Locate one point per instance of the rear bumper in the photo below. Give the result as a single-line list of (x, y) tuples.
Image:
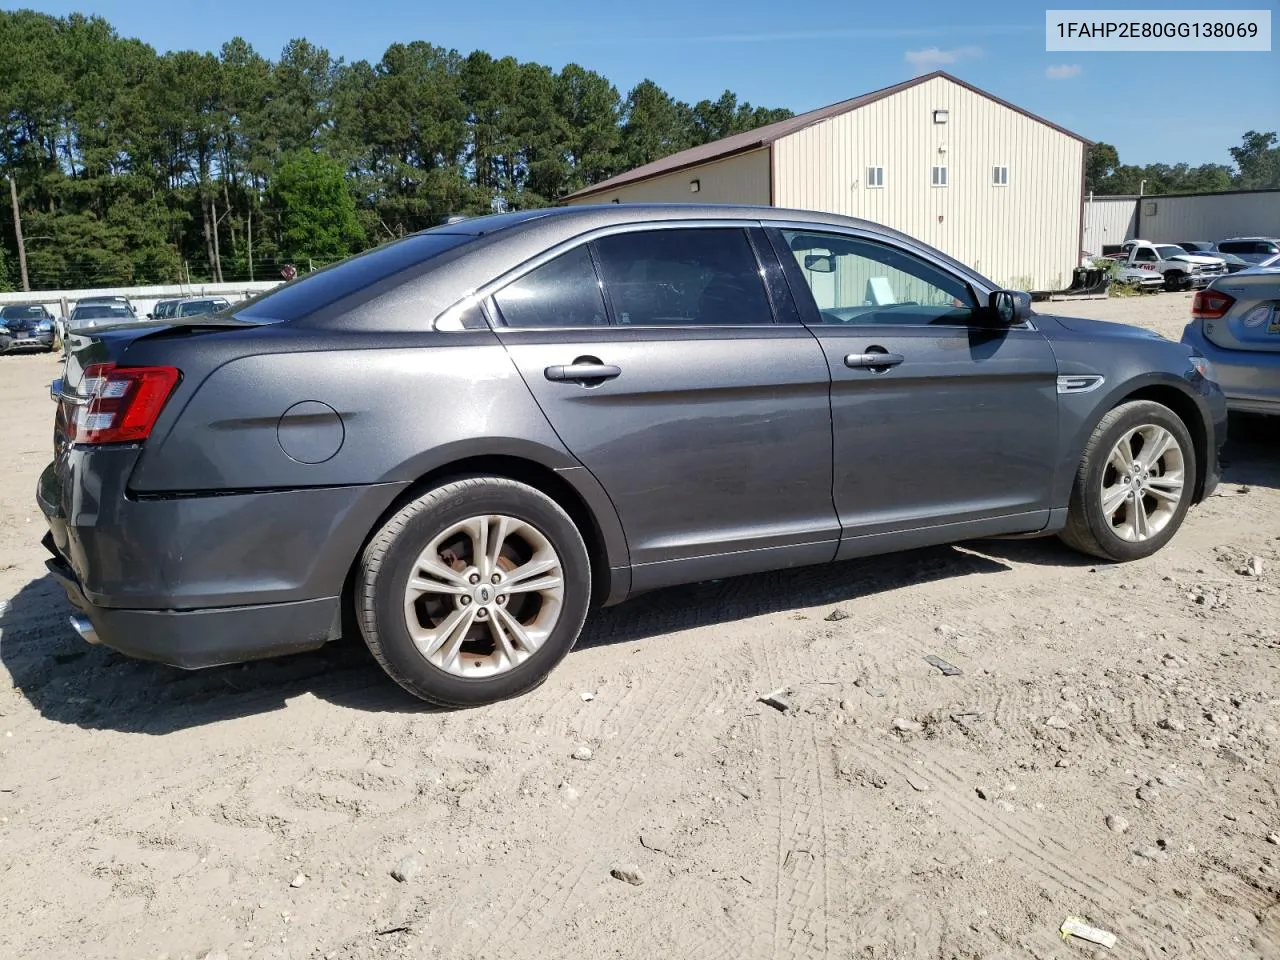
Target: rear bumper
[(196, 581), (192, 639), (1250, 379)]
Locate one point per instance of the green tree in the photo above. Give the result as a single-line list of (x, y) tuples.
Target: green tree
[(1258, 159), (316, 211), (1100, 162)]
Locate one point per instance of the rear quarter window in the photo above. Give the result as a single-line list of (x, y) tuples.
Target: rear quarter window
[(327, 286)]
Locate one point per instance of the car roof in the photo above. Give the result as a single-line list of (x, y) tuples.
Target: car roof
[(496, 243)]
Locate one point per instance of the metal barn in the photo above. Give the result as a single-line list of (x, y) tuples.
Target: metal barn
[(979, 178)]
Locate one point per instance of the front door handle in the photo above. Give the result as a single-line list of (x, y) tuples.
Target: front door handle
[(581, 371), (876, 358)]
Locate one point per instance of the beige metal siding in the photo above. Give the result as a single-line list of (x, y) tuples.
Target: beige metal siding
[(1110, 220), (1025, 234), (1172, 219), (741, 179)]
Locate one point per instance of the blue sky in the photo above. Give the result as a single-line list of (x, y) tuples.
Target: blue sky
[(1155, 107)]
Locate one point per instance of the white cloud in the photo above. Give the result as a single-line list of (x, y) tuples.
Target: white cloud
[(932, 58), (1062, 71)]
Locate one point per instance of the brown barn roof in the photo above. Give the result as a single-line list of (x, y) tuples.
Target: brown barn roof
[(763, 136)]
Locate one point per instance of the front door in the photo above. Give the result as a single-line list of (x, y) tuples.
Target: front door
[(656, 356), (944, 426)]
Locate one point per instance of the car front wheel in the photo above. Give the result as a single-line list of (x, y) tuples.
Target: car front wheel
[(474, 591), (1134, 484)]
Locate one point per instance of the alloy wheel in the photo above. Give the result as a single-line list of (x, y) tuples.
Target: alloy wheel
[(1143, 482), (484, 595)]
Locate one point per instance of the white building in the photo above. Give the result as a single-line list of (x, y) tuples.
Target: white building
[(987, 182)]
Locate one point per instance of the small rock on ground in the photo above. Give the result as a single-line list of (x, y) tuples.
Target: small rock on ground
[(1057, 723), (299, 880), (583, 753), (836, 615), (903, 725), (1172, 723), (627, 873), (1116, 823), (1149, 791), (406, 870)]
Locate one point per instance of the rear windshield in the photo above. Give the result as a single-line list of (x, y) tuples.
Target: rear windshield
[(99, 311), (320, 289)]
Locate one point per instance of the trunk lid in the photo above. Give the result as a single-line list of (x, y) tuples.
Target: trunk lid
[(1252, 321)]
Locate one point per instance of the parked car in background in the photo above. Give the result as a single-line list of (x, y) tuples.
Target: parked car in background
[(1236, 325), (26, 326), (1252, 249), (459, 441), (1181, 270), (200, 305), (1234, 263), (1197, 246), (97, 314), (164, 309)]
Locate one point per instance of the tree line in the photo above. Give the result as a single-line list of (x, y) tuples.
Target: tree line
[(135, 167), (1257, 167)]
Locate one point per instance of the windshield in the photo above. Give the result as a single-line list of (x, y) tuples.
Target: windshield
[(100, 311), (318, 290), (23, 312), (1169, 252)]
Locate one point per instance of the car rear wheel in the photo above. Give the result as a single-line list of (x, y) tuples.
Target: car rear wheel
[(1134, 484), (474, 591)]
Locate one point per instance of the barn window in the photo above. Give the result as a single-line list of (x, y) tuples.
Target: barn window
[(999, 176), (875, 176), (939, 176)]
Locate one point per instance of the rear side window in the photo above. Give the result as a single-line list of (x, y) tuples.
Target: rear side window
[(563, 292), (318, 290), (683, 277)]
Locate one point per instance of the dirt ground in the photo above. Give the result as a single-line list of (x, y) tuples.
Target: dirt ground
[(1109, 753)]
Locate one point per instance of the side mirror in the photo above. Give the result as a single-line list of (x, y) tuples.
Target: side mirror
[(1009, 307), (150, 317), (819, 263)]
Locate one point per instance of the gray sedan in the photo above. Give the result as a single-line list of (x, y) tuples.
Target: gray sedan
[(454, 445)]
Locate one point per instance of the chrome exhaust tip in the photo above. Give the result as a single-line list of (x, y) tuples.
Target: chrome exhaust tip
[(84, 627)]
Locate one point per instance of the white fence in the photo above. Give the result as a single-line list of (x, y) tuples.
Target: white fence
[(61, 302)]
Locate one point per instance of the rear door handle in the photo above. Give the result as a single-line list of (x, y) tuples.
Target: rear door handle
[(580, 372), (873, 361)]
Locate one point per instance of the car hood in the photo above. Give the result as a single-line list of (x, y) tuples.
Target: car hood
[(1102, 329), (1198, 258)]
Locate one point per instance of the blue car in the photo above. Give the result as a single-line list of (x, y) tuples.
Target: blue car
[(1236, 325), (25, 326)]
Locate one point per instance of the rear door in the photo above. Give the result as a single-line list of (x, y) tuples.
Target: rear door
[(943, 426), (656, 355)]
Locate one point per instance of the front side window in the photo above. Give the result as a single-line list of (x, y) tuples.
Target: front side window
[(863, 282), (563, 292), (1146, 255), (683, 277)]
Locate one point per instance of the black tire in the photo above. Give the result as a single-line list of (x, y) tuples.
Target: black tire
[(1174, 280), (386, 564), (1088, 529)]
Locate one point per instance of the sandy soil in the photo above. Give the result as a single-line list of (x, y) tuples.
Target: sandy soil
[(258, 811)]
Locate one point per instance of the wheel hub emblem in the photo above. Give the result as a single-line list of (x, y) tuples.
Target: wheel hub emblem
[(483, 595)]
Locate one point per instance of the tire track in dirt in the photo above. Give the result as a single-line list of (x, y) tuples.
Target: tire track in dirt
[(1064, 868), (604, 792)]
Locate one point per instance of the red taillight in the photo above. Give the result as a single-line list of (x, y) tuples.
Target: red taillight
[(1211, 304), (123, 403)]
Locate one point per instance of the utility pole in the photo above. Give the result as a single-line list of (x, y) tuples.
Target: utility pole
[(17, 229), (250, 237)]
